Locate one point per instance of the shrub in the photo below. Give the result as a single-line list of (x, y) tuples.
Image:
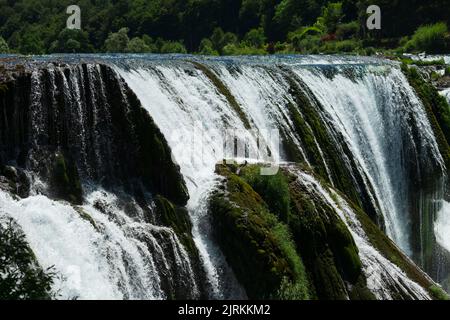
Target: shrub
[(71, 41), (117, 42), (332, 15), (173, 47), (255, 38), (347, 30), (138, 45), (430, 38), (305, 38), (241, 49), (3, 46), (206, 48), (21, 277)]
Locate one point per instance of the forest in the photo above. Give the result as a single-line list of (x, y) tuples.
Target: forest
[(223, 27)]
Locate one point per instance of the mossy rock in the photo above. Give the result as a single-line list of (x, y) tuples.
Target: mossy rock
[(223, 90), (177, 218), (65, 182), (390, 251), (437, 108), (257, 246), (326, 245)]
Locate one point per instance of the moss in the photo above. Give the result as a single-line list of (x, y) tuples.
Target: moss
[(178, 220), (65, 180), (438, 293), (273, 189), (21, 276), (310, 129), (437, 108), (142, 151), (390, 251), (223, 90), (87, 217), (257, 246), (326, 246)]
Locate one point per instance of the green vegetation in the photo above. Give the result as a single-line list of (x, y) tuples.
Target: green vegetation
[(222, 88), (21, 277), (3, 46), (225, 26), (430, 38), (65, 181), (178, 220), (265, 219), (437, 108), (273, 189), (253, 239), (438, 293)]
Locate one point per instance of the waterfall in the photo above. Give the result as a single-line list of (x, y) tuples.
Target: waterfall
[(355, 121), (384, 278), (112, 244), (384, 124)]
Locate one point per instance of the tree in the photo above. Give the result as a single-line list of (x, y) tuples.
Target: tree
[(206, 48), (117, 42), (31, 43), (332, 16), (71, 41), (219, 39), (255, 38), (3, 46), (173, 47), (138, 45)]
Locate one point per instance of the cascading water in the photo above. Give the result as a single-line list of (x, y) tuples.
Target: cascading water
[(372, 121), (381, 273), (111, 245), (384, 124)]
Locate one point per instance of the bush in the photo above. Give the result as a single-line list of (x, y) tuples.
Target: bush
[(430, 38), (220, 40), (255, 38), (347, 30), (3, 46), (71, 41), (117, 42), (173, 47), (346, 46), (137, 45), (305, 38), (331, 17), (206, 48), (20, 275), (241, 50)]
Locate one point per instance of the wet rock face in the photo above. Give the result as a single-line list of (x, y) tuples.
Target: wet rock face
[(14, 181), (67, 123)]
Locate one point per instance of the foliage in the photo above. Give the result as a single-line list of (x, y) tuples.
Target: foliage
[(274, 189), (332, 16), (117, 42), (243, 26), (206, 48), (21, 277), (71, 41), (255, 38), (3, 46), (138, 45), (253, 238), (347, 31), (173, 47), (430, 38)]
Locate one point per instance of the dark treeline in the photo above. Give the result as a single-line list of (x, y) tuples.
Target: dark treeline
[(215, 26)]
